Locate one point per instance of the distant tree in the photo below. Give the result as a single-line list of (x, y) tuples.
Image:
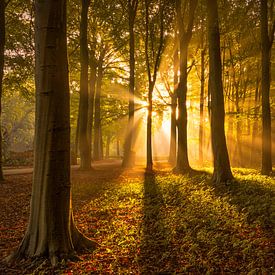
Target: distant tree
[(185, 35), (267, 37), (51, 231), (98, 143), (2, 49), (84, 146), (222, 170)]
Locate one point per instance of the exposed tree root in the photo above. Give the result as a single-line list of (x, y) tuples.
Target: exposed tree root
[(219, 178), (182, 171)]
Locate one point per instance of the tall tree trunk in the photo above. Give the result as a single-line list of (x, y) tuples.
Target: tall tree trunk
[(222, 170), (266, 42), (173, 130), (182, 156), (76, 143), (51, 231), (91, 101), (128, 158), (149, 158), (182, 164), (97, 129), (152, 64), (201, 127), (2, 48), (84, 147)]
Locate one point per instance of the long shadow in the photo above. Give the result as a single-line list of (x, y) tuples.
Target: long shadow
[(252, 198), (156, 255), (87, 185)]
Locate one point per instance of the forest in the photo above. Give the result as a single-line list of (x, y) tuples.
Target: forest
[(137, 137)]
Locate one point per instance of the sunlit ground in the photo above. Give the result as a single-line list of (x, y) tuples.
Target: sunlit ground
[(148, 224)]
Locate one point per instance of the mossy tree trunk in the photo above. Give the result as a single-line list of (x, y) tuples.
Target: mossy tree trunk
[(222, 170), (51, 230)]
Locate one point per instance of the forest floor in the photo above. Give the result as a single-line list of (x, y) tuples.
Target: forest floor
[(158, 223)]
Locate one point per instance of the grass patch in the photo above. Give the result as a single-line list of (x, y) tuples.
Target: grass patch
[(165, 223)]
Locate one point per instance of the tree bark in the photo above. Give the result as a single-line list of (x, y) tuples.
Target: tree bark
[(266, 42), (173, 130), (51, 230), (2, 57), (128, 157), (84, 146), (149, 162), (91, 100), (152, 50), (98, 154), (108, 141), (201, 127), (182, 164), (222, 170)]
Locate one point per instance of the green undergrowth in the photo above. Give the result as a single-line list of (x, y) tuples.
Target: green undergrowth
[(163, 223)]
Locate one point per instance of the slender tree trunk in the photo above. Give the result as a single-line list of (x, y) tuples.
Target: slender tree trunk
[(182, 156), (51, 231), (254, 146), (266, 115), (173, 130), (222, 170), (108, 141), (97, 129), (152, 50), (149, 162), (202, 105), (185, 36), (91, 102), (84, 148), (2, 48), (117, 148), (76, 142), (128, 157)]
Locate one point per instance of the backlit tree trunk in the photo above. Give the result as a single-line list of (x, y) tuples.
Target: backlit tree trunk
[(2, 48), (84, 146), (185, 37), (266, 41), (128, 158), (51, 231), (152, 55), (173, 130), (222, 170), (202, 91), (97, 150), (91, 100)]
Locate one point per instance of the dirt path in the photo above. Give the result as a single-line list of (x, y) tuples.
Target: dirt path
[(28, 170)]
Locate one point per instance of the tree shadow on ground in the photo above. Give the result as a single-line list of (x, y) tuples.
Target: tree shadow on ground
[(156, 255), (87, 185), (255, 197)]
